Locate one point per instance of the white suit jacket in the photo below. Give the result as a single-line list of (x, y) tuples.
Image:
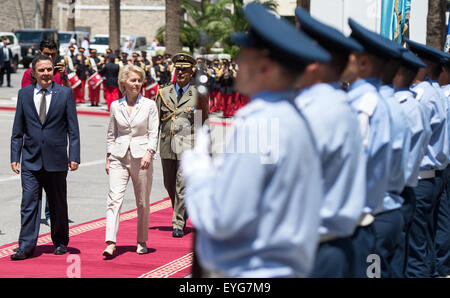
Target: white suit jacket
[(138, 131)]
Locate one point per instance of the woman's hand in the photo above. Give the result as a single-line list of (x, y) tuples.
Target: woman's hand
[(107, 165), (146, 160)]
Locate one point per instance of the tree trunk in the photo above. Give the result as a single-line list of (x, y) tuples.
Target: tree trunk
[(436, 28), (114, 25), (306, 5), (71, 16), (173, 15), (48, 11)]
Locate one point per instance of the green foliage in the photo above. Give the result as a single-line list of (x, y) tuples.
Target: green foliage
[(215, 22)]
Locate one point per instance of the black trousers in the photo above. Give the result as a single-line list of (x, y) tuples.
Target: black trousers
[(55, 186), (6, 67)]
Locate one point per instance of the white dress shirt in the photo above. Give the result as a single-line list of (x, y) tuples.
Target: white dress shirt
[(6, 53)]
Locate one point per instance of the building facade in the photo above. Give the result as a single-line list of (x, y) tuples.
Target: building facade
[(138, 17)]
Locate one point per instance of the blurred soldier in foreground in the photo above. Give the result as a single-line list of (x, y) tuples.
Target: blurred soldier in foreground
[(258, 215)]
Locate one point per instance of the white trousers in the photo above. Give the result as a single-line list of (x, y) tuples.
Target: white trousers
[(120, 171)]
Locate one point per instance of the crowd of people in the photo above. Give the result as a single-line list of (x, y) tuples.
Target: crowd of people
[(339, 158), (159, 71)]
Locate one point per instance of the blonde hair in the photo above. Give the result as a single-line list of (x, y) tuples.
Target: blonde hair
[(125, 71)]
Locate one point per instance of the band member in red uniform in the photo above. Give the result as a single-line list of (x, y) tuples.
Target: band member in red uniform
[(94, 81), (81, 71), (226, 88), (111, 74)]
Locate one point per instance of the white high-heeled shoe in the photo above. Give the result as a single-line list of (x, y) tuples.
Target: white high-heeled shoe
[(110, 250), (141, 248)]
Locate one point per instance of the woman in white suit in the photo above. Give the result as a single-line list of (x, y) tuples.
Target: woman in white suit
[(131, 143)]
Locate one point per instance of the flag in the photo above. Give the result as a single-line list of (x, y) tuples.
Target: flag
[(395, 19)]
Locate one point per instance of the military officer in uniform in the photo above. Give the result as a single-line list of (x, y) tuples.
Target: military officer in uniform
[(176, 104)]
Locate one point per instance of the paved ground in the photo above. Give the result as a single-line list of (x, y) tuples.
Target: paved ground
[(87, 187)]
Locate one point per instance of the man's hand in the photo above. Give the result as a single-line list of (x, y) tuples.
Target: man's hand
[(15, 166), (73, 165), (60, 67)]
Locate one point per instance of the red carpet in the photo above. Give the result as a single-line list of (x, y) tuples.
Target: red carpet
[(167, 257)]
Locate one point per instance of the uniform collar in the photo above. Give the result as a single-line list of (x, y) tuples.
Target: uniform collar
[(185, 88), (376, 82), (275, 95)]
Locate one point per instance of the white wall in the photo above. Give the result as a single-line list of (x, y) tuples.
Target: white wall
[(418, 21), (368, 13)]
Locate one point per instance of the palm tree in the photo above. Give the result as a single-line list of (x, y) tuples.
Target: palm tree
[(436, 28), (173, 16), (306, 5), (217, 22), (48, 11), (114, 25), (71, 18)]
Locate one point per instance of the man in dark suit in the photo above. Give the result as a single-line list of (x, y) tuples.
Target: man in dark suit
[(45, 121), (6, 63)]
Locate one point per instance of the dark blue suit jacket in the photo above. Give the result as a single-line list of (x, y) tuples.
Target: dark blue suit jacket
[(2, 57), (45, 145)]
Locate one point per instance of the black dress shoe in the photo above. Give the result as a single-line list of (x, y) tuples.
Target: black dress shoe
[(21, 255), (60, 250), (177, 233)]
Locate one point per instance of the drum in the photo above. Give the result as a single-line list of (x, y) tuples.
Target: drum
[(95, 80), (74, 80), (151, 91)]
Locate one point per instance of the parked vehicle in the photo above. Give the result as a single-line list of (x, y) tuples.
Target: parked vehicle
[(138, 43), (29, 40), (13, 44), (66, 36), (100, 42)]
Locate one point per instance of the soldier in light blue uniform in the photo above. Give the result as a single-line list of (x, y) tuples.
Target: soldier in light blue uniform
[(375, 125), (421, 257), (418, 122), (389, 220), (442, 211), (338, 139), (258, 214)]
